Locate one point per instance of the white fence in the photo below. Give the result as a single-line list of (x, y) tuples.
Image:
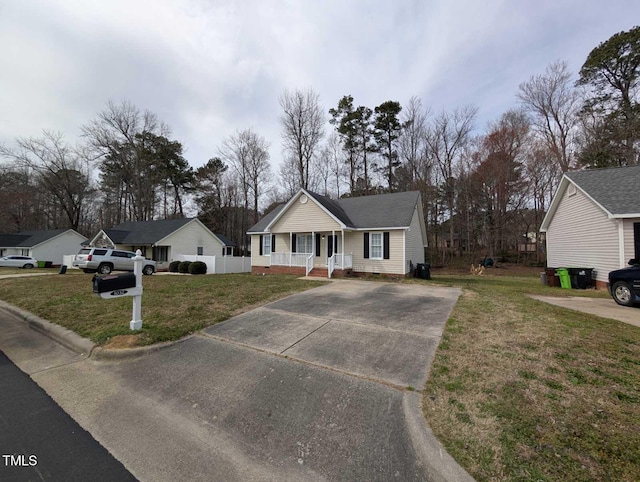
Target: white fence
[(219, 264), (67, 260)]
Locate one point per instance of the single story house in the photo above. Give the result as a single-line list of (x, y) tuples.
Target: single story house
[(44, 245), (312, 234), (594, 220), (160, 240)]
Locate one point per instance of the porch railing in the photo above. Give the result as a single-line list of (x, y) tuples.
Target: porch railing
[(289, 259), (331, 264), (309, 265), (343, 260)]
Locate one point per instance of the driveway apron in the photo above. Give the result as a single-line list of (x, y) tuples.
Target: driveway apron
[(380, 331)]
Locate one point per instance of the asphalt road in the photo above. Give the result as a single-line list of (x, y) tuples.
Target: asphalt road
[(39, 441)]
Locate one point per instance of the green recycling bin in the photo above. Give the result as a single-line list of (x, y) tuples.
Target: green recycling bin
[(565, 279)]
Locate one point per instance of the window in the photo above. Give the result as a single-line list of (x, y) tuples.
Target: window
[(304, 243), (200, 250), (25, 252), (119, 254), (266, 245), (161, 253), (375, 249)]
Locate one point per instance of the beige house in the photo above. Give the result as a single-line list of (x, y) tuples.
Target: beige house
[(45, 245), (594, 220), (161, 240), (312, 234)]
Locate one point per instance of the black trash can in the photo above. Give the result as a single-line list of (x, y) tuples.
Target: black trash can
[(423, 270), (581, 278), (63, 269)]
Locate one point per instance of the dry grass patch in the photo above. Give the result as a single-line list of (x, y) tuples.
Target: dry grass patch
[(172, 306), (521, 390)]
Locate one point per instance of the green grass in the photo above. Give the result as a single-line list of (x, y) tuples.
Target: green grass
[(172, 306), (522, 390)]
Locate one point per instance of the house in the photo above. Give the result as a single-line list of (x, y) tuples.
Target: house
[(312, 234), (162, 239), (45, 245), (594, 220)]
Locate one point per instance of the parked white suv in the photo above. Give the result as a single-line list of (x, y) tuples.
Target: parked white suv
[(104, 261)]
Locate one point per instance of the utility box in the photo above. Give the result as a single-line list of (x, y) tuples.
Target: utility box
[(116, 285)]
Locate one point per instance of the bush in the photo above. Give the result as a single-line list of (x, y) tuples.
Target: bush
[(198, 267), (173, 266), (183, 267)]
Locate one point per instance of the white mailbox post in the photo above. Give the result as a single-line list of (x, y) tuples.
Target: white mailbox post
[(136, 320), (126, 284)]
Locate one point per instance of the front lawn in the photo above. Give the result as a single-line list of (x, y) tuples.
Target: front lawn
[(172, 306), (523, 390)]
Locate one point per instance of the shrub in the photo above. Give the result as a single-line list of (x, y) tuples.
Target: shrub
[(183, 267), (173, 266), (198, 267)]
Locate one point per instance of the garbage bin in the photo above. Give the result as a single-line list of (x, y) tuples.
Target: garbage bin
[(63, 269), (423, 270), (565, 278), (543, 278), (48, 264), (581, 278), (552, 277)]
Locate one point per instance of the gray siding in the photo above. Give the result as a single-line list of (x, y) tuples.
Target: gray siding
[(415, 244), (581, 235)]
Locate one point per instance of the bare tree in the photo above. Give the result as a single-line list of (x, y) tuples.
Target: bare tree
[(60, 170), (553, 102), (302, 129), (445, 139), (412, 141)]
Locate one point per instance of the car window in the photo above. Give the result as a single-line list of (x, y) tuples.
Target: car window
[(131, 255), (99, 252), (119, 254), (84, 251)]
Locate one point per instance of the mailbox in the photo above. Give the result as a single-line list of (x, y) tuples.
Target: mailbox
[(116, 285)]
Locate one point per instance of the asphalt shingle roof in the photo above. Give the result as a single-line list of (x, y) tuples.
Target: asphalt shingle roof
[(28, 239), (393, 210), (616, 189), (144, 232)]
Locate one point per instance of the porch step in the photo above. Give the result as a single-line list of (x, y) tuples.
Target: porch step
[(319, 272)]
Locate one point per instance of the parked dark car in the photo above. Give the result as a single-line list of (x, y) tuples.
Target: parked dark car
[(624, 284)]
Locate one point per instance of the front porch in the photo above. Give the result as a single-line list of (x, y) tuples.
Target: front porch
[(309, 262)]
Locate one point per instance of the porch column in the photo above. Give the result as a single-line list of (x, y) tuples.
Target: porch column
[(342, 248), (290, 248)]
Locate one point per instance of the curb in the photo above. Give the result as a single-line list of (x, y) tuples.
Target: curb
[(438, 464), (74, 342)]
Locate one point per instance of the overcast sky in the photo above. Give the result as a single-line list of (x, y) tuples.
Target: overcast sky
[(208, 68)]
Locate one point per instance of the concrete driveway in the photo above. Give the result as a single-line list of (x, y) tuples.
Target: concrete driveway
[(310, 387)]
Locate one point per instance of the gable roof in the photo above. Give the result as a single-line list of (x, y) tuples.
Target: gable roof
[(151, 232), (393, 210), (615, 190), (226, 241), (29, 239)]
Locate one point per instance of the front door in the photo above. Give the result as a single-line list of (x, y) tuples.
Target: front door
[(332, 245)]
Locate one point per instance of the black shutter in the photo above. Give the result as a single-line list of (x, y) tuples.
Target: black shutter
[(273, 243), (385, 244), (317, 244), (293, 243), (329, 246), (261, 245), (366, 245)]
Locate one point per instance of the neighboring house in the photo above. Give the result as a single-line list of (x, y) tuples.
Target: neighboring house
[(313, 234), (161, 240), (47, 245), (594, 220)]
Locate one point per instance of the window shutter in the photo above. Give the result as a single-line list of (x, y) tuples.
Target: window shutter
[(318, 244), (293, 243), (273, 243), (366, 245), (261, 245), (329, 246), (385, 245)]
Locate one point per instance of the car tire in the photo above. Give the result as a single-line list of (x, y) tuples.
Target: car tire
[(148, 270), (28, 266), (622, 293), (105, 268)]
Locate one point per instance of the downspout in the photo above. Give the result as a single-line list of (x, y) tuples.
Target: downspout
[(621, 259)]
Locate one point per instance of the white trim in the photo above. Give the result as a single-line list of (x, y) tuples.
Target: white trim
[(395, 228), (621, 243), (270, 238), (404, 251), (371, 233), (293, 200)]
